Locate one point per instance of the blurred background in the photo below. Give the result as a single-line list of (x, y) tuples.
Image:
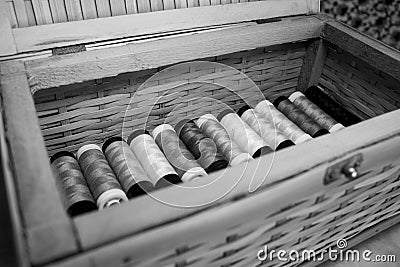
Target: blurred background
[(377, 18)]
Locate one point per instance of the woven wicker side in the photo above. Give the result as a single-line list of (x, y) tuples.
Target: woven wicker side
[(361, 88), (93, 111)]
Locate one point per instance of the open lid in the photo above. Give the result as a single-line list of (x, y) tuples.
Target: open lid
[(40, 25)]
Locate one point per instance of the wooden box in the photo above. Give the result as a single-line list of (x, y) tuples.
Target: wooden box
[(70, 68)]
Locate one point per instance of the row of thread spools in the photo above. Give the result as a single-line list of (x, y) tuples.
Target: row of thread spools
[(97, 178)]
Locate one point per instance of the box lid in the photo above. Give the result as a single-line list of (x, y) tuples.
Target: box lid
[(40, 25)]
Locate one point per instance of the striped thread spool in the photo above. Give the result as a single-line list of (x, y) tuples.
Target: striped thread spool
[(267, 130), (314, 112), (177, 153), (216, 131), (330, 106), (126, 167), (75, 193), (202, 147), (242, 134), (282, 123), (101, 179), (307, 124), (156, 165)]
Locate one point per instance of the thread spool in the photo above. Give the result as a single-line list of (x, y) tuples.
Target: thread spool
[(331, 107), (177, 153), (127, 168), (100, 177), (282, 123), (314, 112), (296, 115), (216, 131), (202, 147), (267, 130), (242, 134), (75, 193), (156, 165)]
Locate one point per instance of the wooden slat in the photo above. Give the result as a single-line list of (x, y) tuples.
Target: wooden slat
[(7, 46), (131, 7), (156, 5), (89, 9), (20, 10), (74, 11), (143, 6), (204, 2), (169, 4), (53, 72), (58, 11), (55, 35), (303, 170), (11, 15), (313, 64), (103, 8), (42, 12), (180, 4), (48, 230), (193, 3), (30, 13), (380, 56), (117, 7)]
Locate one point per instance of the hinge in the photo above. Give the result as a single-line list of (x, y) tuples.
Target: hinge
[(68, 49), (347, 169)]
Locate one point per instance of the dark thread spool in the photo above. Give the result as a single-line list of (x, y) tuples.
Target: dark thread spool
[(75, 192), (296, 115), (156, 165), (314, 112), (243, 134), (126, 167), (100, 177), (267, 130), (286, 126), (202, 147), (177, 153), (331, 107), (216, 131)]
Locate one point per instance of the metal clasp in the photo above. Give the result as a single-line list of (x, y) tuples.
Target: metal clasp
[(347, 168)]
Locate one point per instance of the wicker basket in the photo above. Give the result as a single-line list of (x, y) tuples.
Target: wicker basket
[(86, 80)]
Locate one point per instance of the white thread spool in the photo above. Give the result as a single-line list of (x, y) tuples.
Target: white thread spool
[(286, 126), (216, 131), (243, 135)]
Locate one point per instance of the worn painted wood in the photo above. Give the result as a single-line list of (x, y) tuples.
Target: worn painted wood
[(42, 12), (30, 13), (20, 11), (149, 212), (88, 31), (56, 71), (58, 11), (131, 6), (369, 50), (89, 9), (313, 64), (74, 11), (48, 230), (103, 8), (117, 7), (7, 45)]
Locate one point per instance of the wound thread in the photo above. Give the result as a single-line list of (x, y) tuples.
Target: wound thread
[(126, 167), (243, 134), (153, 161), (302, 120), (177, 153), (202, 147), (212, 128), (331, 107), (100, 177), (75, 193), (282, 123), (314, 112), (273, 136)]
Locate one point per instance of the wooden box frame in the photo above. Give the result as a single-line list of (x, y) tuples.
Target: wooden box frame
[(45, 235)]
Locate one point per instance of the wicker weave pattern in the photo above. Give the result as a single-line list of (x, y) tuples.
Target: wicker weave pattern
[(362, 89), (91, 112), (313, 223)]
